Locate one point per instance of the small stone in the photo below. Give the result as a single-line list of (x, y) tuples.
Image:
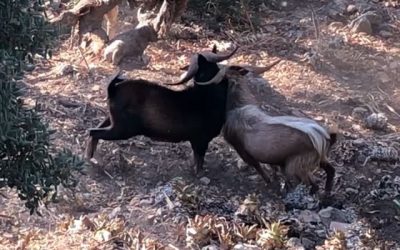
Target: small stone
[(244, 246), (307, 243), (146, 202), (336, 25), (339, 226), (294, 244), (326, 212), (393, 65), (114, 212), (308, 216), (351, 9), (377, 121), (96, 87), (29, 67), (210, 247), (254, 177), (205, 181), (65, 70), (102, 235), (351, 191), (241, 165), (384, 77), (321, 233), (329, 214), (385, 34), (359, 112), (362, 26)]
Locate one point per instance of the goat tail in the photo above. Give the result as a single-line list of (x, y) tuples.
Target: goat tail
[(112, 83)]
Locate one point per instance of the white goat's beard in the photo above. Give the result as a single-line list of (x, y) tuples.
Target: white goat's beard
[(217, 78)]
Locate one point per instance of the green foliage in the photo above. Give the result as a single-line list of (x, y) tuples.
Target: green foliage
[(27, 162)]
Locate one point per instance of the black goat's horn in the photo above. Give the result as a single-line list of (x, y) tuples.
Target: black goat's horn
[(215, 58), (189, 74), (193, 66)]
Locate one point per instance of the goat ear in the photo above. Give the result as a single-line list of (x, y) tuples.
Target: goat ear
[(214, 49)]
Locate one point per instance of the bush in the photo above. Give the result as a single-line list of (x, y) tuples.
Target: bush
[(27, 161)]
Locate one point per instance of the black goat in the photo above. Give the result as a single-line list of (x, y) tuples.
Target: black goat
[(195, 114)]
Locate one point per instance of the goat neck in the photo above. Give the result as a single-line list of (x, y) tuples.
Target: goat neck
[(239, 93)]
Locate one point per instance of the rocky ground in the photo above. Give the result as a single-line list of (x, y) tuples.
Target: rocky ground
[(140, 194)]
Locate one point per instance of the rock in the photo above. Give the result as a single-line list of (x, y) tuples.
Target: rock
[(351, 191), (385, 34), (294, 244), (359, 112), (351, 9), (29, 67), (339, 226), (114, 212), (244, 246), (254, 177), (336, 43), (308, 216), (241, 165), (307, 243), (102, 235), (321, 233), (377, 121), (373, 17), (96, 87), (210, 247), (362, 25), (394, 65), (65, 69), (146, 202), (205, 181), (336, 25), (383, 77), (332, 214)]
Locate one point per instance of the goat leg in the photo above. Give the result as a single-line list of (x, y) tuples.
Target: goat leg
[(259, 169), (314, 186), (92, 142), (199, 151), (330, 175), (254, 163)]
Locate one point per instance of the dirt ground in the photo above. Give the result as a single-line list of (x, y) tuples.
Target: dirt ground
[(125, 199)]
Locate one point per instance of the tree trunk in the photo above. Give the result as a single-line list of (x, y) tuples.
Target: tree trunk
[(88, 15)]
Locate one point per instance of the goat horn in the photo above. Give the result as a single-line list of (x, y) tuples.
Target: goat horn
[(193, 66), (189, 74), (260, 70), (215, 58)]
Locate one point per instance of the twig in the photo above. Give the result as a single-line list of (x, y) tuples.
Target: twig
[(107, 241), (248, 16), (315, 23), (172, 246), (108, 174), (72, 37), (87, 64), (5, 216)]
